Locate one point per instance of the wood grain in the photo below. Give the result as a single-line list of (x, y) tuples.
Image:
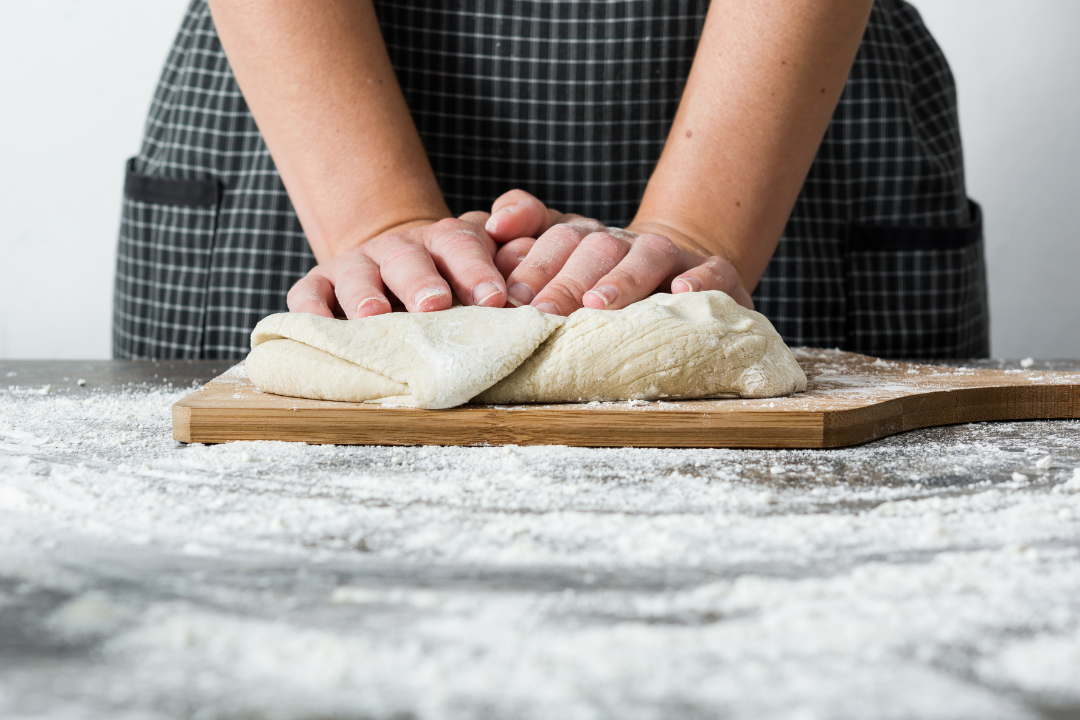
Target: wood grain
[(851, 399)]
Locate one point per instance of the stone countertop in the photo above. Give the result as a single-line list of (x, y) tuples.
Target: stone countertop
[(109, 375), (934, 573)]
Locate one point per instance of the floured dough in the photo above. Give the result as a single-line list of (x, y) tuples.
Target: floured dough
[(427, 360), (692, 345)]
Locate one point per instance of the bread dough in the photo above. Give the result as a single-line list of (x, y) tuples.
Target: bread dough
[(692, 345), (426, 360)]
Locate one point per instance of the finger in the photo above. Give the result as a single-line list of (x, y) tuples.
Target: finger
[(546, 258), (359, 288), (715, 273), (595, 257), (479, 217), (518, 214), (587, 225), (651, 260), (460, 252), (313, 294), (513, 254), (558, 242), (409, 272)]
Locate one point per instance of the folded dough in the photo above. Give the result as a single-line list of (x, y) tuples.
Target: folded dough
[(425, 360), (692, 345)]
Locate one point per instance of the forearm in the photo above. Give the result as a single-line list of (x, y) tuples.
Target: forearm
[(766, 80), (319, 83)]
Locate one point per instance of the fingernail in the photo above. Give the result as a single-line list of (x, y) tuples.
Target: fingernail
[(427, 294), (485, 291), (372, 301), (491, 223), (547, 308), (607, 294), (692, 284), (522, 293)]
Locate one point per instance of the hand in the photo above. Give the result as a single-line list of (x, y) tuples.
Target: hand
[(576, 262), (419, 262)]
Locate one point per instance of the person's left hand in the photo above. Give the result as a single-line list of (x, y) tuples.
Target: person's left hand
[(559, 262)]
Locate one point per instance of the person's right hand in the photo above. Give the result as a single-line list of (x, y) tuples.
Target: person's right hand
[(418, 262), (560, 262)]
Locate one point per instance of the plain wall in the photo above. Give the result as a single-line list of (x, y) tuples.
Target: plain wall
[(76, 80), (1017, 68)]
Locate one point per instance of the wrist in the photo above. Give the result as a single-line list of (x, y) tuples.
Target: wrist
[(677, 236), (695, 245), (364, 235)]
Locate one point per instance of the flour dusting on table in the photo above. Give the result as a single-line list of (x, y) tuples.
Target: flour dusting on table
[(933, 574)]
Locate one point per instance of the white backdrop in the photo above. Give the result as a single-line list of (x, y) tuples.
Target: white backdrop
[(76, 80)]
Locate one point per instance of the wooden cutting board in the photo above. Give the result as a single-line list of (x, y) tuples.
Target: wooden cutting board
[(851, 399)]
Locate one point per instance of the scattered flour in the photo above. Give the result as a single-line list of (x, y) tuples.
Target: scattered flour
[(86, 616), (262, 579)]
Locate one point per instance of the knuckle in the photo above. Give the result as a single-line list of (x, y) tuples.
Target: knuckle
[(658, 245), (475, 217), (564, 234), (561, 296), (624, 279), (405, 251), (535, 267), (448, 225), (391, 239), (357, 251), (586, 225), (569, 288), (457, 241), (605, 244), (354, 274), (622, 234)]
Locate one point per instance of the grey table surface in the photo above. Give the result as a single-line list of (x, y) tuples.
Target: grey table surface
[(931, 574)]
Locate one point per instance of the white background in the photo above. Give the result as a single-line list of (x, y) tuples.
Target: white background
[(76, 80)]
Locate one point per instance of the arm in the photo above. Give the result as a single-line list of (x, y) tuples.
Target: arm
[(319, 83), (765, 82)]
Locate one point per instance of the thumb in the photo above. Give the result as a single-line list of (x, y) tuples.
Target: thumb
[(517, 214)]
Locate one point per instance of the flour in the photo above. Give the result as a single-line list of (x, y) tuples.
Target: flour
[(282, 580), (86, 616)]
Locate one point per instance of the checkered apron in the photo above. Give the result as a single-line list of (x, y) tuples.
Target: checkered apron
[(571, 100)]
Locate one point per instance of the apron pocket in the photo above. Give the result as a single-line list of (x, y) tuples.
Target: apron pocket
[(162, 266), (917, 292)]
